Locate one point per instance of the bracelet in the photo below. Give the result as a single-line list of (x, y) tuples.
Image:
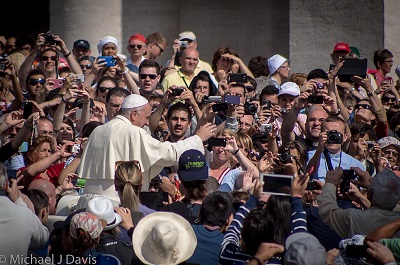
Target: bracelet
[(68, 54), (257, 259), (234, 153), (62, 98)]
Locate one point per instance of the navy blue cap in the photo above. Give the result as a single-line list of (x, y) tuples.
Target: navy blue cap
[(192, 166), (82, 43)]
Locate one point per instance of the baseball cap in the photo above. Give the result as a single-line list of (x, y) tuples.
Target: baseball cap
[(187, 35), (192, 166), (82, 44), (289, 88), (137, 37), (303, 249), (341, 46)]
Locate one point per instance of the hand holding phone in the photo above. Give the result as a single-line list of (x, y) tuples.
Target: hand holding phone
[(213, 141), (28, 107)]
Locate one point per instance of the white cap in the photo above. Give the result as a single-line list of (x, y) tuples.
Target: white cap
[(289, 88), (275, 62), (104, 41), (187, 35), (134, 101)]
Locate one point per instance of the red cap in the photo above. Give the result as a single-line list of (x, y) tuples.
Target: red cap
[(341, 46), (138, 37)]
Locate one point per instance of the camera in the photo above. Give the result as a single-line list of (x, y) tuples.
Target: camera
[(75, 149), (284, 111), (370, 144), (49, 38), (315, 99), (184, 43), (266, 128), (334, 137), (2, 66), (285, 158), (250, 108), (177, 91), (320, 85), (155, 182), (208, 99)]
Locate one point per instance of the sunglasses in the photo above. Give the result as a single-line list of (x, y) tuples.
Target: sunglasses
[(257, 155), (387, 99), (364, 106), (103, 89), (33, 82), (161, 49), (132, 46), (249, 88), (144, 76), (88, 66), (45, 58)]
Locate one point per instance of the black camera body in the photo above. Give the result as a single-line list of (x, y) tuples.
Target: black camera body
[(155, 182), (284, 111), (177, 91), (250, 108), (335, 137), (208, 99), (49, 38), (285, 158)]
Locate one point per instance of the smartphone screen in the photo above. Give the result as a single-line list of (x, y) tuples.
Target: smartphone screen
[(27, 109), (349, 174), (356, 251), (216, 141), (314, 99), (238, 77), (277, 184), (311, 185), (78, 113)]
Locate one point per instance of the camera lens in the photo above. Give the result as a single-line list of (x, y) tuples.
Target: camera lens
[(284, 111), (250, 108), (335, 137), (285, 158)]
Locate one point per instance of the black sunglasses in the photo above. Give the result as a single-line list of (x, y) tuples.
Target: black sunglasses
[(33, 82), (88, 66), (144, 76), (249, 88), (161, 49), (387, 99), (103, 89), (45, 58), (134, 45), (364, 106), (257, 155)]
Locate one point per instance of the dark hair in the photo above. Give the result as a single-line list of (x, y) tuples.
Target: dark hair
[(280, 211), (86, 57), (257, 228), (317, 73), (117, 91), (381, 55), (71, 124), (204, 76), (195, 189), (296, 145), (252, 81), (179, 106), (216, 209), (89, 127), (105, 78), (218, 54), (24, 39), (362, 128), (31, 73), (150, 63), (268, 90), (39, 199), (258, 66)]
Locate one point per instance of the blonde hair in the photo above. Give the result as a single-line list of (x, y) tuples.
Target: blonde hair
[(128, 181)]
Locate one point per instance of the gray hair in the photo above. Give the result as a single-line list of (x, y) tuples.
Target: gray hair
[(3, 177), (385, 190)]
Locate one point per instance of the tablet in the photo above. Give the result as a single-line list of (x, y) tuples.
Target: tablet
[(352, 67), (276, 184)]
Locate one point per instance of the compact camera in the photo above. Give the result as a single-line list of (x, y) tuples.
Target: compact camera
[(184, 43), (155, 182), (250, 108), (285, 158), (208, 99), (320, 85), (75, 148), (49, 38), (177, 91), (370, 144), (266, 127), (284, 111), (335, 137)]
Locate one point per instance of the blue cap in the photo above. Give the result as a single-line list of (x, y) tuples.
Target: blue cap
[(82, 43), (192, 166)]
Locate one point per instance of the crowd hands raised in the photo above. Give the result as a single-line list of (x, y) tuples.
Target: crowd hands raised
[(191, 146)]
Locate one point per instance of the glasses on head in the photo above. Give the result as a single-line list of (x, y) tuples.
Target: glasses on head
[(88, 66), (144, 76), (161, 49), (34, 82), (388, 99), (103, 89), (364, 106), (391, 152), (132, 46), (46, 58)]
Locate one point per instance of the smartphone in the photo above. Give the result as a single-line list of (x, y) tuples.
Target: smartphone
[(232, 99), (266, 104), (388, 79), (312, 185), (78, 113), (27, 106), (315, 99), (276, 184), (356, 251), (349, 174), (111, 61), (78, 78), (219, 107), (23, 148), (153, 200), (57, 82), (238, 77), (344, 186), (74, 148), (213, 141)]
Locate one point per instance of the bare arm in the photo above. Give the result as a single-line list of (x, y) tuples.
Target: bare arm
[(385, 231)]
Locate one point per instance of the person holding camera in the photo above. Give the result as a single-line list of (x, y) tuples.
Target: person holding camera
[(329, 153)]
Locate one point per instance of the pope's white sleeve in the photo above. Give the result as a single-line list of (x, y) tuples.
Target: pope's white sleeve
[(193, 142)]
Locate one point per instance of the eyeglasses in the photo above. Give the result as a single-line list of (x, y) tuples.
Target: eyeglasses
[(391, 152), (144, 76), (88, 66), (387, 99), (46, 58), (33, 82), (161, 49), (249, 88), (284, 66), (132, 46), (364, 106), (103, 89)]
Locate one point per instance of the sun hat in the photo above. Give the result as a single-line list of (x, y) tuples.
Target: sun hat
[(163, 238), (103, 208), (304, 249), (275, 62)]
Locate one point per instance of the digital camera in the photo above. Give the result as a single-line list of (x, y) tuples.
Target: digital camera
[(266, 127), (177, 91), (208, 99), (335, 137), (285, 158), (284, 111), (320, 85), (250, 108), (49, 38)]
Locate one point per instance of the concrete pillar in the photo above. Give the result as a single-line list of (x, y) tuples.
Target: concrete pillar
[(391, 30)]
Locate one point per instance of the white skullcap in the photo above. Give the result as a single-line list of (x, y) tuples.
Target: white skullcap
[(104, 41), (275, 62), (134, 101)]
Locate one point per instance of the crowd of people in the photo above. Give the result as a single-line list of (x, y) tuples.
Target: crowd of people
[(123, 159)]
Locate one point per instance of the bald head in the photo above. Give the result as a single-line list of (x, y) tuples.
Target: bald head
[(48, 188), (189, 60)]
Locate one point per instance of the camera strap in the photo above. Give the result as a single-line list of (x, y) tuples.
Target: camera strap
[(328, 159)]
